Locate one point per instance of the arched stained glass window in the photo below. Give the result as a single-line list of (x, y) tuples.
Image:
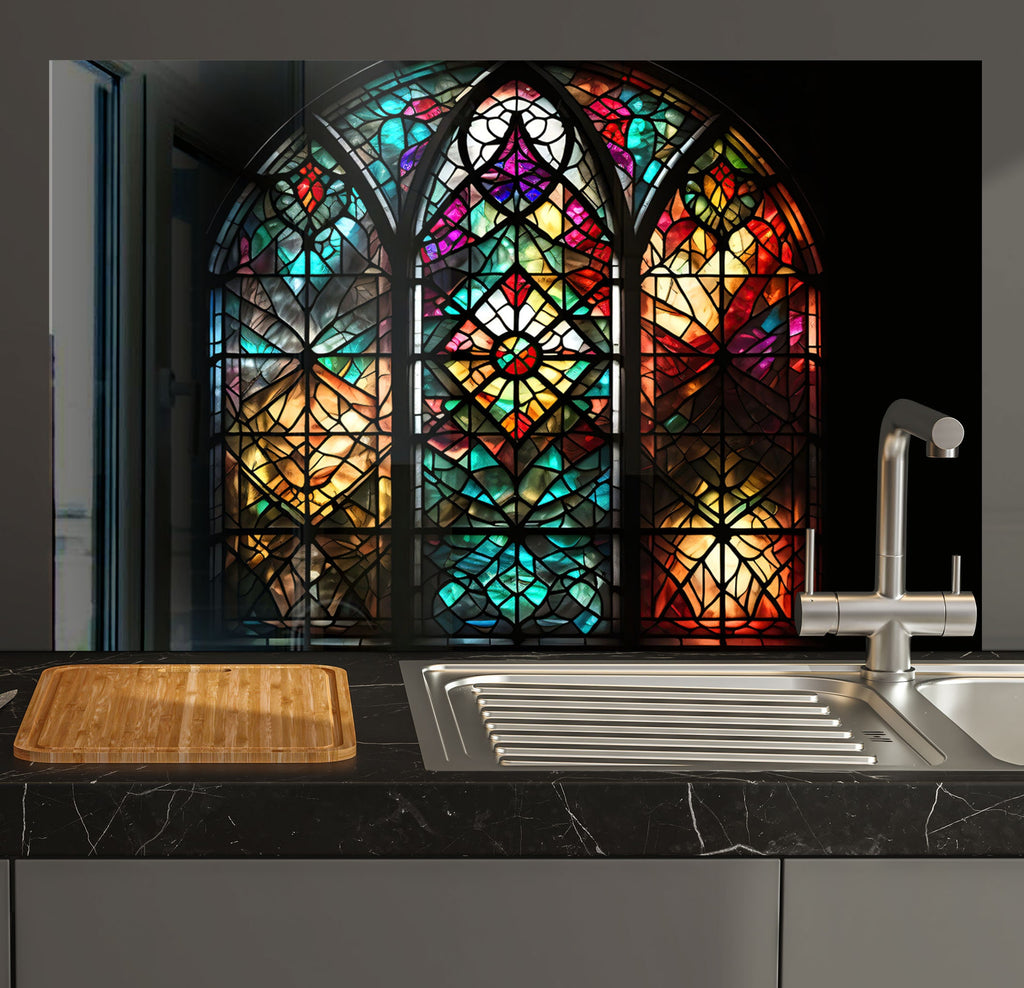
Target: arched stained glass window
[(598, 305)]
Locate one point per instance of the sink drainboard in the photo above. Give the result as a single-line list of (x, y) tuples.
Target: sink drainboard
[(549, 724), (591, 715)]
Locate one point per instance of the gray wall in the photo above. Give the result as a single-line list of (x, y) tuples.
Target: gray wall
[(660, 30)]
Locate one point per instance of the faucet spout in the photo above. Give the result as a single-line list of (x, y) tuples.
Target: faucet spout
[(942, 435)]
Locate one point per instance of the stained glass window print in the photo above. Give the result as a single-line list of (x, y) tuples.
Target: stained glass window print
[(516, 354)]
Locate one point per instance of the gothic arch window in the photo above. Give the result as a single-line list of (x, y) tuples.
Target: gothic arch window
[(516, 353)]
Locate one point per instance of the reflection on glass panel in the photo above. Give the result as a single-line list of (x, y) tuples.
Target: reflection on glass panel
[(79, 108)]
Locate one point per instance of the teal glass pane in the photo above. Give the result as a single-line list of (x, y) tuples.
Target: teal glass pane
[(386, 125), (490, 587)]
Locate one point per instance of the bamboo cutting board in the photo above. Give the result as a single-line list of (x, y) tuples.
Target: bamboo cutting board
[(188, 713)]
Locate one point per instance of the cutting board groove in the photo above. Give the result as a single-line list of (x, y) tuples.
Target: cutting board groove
[(215, 712)]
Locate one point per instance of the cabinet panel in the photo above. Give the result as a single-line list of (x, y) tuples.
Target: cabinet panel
[(940, 923), (392, 924)]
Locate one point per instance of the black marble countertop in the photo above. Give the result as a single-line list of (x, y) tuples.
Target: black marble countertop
[(384, 803)]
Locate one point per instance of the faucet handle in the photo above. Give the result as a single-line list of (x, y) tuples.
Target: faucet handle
[(809, 562), (956, 574)]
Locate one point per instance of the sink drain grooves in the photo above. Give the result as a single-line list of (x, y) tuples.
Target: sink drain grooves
[(660, 730), (656, 719), (490, 703), (595, 726), (506, 742), (597, 758), (497, 690)]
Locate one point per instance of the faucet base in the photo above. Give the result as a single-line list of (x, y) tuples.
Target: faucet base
[(887, 676)]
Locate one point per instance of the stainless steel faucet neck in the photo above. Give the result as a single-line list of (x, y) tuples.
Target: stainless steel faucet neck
[(890, 616), (891, 512), (942, 435)]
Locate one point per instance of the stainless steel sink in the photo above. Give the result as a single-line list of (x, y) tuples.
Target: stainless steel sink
[(518, 715), (990, 710)]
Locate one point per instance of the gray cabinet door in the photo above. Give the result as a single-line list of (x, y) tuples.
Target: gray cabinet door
[(939, 923), (397, 924)]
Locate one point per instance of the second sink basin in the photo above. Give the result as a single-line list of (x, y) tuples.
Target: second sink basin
[(990, 710)]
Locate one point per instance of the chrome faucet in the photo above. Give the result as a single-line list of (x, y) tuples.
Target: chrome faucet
[(890, 616)]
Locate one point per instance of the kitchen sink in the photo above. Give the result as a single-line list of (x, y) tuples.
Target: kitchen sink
[(990, 710)]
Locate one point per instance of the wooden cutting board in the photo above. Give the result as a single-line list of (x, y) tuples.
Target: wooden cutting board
[(188, 713)]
